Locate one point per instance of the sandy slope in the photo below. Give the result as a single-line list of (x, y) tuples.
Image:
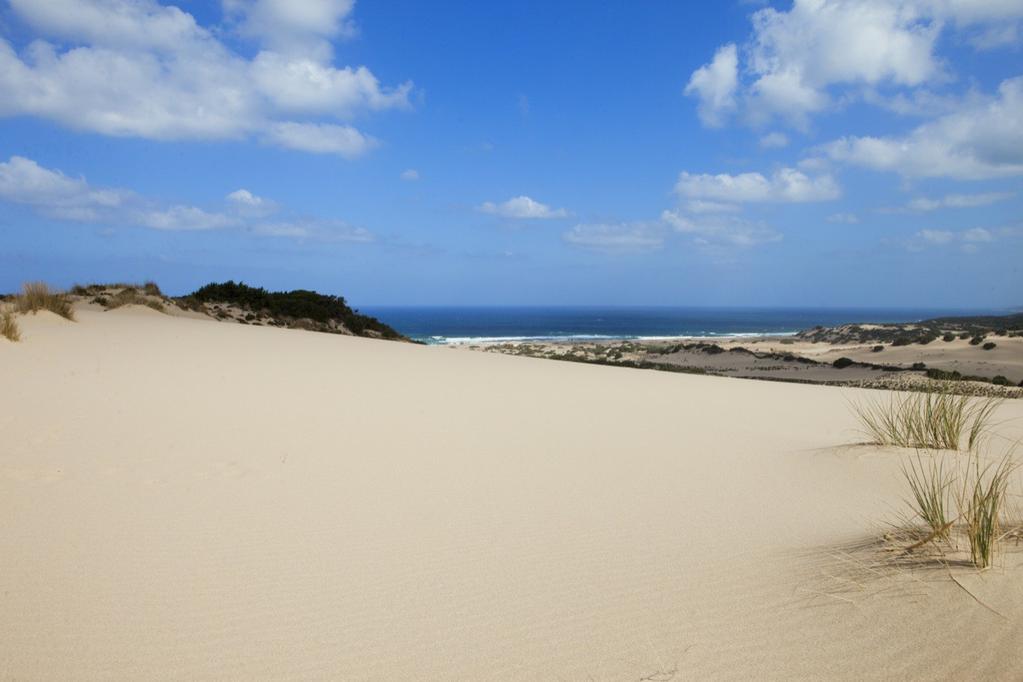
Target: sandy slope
[(190, 500)]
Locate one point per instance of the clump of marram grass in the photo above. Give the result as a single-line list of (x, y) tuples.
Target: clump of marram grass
[(37, 296), (937, 420), (9, 326), (130, 296), (931, 485), (981, 500)]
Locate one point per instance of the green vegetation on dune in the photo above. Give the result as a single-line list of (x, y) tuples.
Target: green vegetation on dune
[(299, 304)]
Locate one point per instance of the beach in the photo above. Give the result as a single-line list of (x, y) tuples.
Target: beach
[(183, 498)]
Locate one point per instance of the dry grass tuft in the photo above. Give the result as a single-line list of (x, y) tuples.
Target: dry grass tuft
[(931, 486), (37, 296), (981, 500), (937, 420), (9, 326)]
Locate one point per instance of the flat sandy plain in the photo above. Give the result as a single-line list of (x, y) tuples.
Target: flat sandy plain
[(181, 499)]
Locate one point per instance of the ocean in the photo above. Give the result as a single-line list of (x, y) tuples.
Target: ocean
[(447, 325)]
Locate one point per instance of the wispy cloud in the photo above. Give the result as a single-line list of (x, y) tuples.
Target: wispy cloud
[(616, 237), (53, 194)]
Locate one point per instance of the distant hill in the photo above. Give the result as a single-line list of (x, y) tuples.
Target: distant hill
[(300, 308), (925, 331)]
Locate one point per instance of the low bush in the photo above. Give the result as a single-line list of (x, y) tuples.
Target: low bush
[(976, 340), (989, 345), (1000, 380), (948, 337), (877, 349), (902, 341), (842, 363)]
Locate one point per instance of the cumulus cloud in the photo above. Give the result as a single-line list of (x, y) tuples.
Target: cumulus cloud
[(714, 84), (984, 139), (136, 68), (523, 208), (817, 53), (295, 26), (730, 230), (615, 237), (53, 194), (784, 185)]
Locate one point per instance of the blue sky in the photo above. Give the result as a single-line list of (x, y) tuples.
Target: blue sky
[(817, 153)]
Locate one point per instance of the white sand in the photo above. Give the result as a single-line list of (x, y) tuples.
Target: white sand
[(181, 499)]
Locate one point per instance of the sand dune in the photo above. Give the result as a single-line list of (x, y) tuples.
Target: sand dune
[(181, 499)]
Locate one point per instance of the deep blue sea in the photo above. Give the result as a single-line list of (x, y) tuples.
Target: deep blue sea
[(472, 324)]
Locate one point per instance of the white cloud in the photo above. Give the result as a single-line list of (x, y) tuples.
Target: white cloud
[(784, 185), (796, 55), (53, 194), (936, 236), (523, 207), (410, 174), (140, 69), (320, 230), (247, 204), (982, 140), (774, 140), (305, 86), (957, 201), (294, 26), (847, 218), (721, 229), (818, 54), (967, 240), (615, 237), (700, 206), (715, 85), (320, 138), (183, 218), (978, 234)]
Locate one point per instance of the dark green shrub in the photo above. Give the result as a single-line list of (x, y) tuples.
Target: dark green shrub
[(976, 340), (842, 363), (902, 341), (989, 345), (948, 337), (877, 349), (919, 365), (943, 375), (1000, 381), (296, 305), (964, 335)]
